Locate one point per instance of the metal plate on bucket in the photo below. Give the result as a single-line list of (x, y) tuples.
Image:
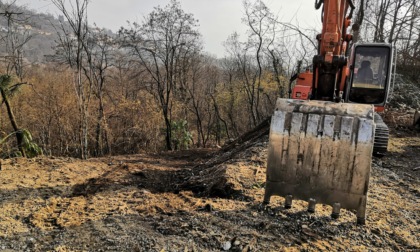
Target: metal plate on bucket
[(321, 150)]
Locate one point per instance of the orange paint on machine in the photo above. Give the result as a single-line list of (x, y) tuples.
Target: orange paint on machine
[(303, 88)]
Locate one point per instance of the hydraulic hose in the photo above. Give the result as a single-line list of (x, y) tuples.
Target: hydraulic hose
[(318, 4)]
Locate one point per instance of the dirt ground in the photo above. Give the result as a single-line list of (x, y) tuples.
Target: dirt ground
[(152, 202)]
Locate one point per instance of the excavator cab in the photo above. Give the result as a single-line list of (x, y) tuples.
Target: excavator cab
[(370, 74)]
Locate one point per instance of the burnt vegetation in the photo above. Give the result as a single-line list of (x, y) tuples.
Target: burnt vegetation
[(82, 91), (72, 91)]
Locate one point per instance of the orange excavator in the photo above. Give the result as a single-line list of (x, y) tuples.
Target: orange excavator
[(322, 139)]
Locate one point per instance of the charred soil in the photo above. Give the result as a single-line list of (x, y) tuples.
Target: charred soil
[(203, 200)]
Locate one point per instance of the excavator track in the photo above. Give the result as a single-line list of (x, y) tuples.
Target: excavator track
[(380, 146)]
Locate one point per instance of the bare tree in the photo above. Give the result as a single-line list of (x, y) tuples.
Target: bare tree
[(229, 71), (260, 22), (16, 37), (247, 72), (99, 58), (395, 22), (358, 20), (71, 49), (14, 40), (167, 36), (201, 88)]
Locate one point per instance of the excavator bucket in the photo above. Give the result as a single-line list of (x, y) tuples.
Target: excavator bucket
[(321, 152)]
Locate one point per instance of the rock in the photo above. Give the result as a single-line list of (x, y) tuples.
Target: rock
[(307, 231), (208, 208), (227, 245), (393, 176)]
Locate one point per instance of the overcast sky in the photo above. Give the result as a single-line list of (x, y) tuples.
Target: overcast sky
[(217, 18)]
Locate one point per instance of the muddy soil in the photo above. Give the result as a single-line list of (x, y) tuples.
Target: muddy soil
[(151, 202)]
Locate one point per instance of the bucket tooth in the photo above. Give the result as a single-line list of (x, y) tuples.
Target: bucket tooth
[(361, 220), (322, 151), (311, 205), (288, 201), (336, 210)]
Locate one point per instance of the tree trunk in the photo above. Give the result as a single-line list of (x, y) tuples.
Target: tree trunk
[(168, 137), (19, 133), (358, 21), (99, 129)]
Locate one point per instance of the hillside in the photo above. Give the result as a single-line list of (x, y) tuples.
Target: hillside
[(144, 202), (42, 29)]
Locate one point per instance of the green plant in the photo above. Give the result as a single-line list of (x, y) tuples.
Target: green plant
[(181, 137), (30, 148)]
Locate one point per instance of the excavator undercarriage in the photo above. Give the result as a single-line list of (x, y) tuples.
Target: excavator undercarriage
[(380, 146)]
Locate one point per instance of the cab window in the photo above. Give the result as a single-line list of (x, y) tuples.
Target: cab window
[(370, 74)]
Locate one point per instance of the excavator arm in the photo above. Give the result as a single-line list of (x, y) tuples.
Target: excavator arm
[(330, 65)]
